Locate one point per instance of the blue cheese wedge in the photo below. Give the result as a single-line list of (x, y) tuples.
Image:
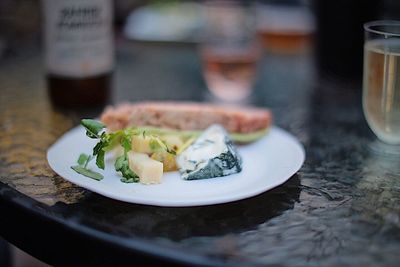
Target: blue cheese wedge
[(211, 155)]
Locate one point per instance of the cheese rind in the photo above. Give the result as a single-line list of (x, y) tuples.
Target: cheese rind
[(211, 155), (150, 171)]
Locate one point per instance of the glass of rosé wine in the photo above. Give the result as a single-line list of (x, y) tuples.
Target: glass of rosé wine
[(229, 50)]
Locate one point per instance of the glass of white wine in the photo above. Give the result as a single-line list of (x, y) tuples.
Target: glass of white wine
[(381, 82)]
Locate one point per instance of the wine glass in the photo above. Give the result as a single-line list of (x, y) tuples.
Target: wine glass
[(229, 50), (381, 83)]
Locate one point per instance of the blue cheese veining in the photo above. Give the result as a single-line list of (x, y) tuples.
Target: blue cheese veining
[(211, 155)]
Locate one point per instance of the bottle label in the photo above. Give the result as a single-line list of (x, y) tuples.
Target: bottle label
[(78, 37)]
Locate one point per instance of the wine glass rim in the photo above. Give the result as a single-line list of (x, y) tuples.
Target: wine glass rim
[(369, 27)]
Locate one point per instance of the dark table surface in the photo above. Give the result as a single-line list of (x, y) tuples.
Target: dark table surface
[(341, 208)]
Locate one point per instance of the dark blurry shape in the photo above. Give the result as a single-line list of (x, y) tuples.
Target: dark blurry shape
[(22, 259), (85, 92), (79, 51), (340, 35), (285, 27), (391, 9), (15, 30), (181, 223), (229, 50), (4, 253), (122, 9)]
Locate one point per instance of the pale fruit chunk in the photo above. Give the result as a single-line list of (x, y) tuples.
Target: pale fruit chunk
[(167, 159), (173, 142), (150, 171), (141, 144)]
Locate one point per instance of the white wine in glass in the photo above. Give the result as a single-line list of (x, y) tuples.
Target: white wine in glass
[(381, 83)]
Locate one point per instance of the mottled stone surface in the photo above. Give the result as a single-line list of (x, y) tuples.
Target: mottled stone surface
[(342, 208), (28, 126)]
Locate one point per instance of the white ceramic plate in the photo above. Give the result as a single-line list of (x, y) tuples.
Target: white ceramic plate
[(267, 163)]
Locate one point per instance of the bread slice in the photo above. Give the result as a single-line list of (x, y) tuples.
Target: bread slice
[(188, 116)]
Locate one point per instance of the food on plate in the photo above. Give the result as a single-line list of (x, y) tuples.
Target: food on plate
[(82, 168), (211, 155), (150, 171), (134, 165), (244, 124), (150, 138), (168, 160)]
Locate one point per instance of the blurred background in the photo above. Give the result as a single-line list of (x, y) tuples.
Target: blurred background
[(284, 26), (237, 42)]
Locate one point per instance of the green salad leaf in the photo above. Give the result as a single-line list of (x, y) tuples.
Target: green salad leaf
[(83, 159), (88, 173), (93, 127), (126, 139), (99, 151), (81, 168), (122, 162), (157, 144), (122, 165)]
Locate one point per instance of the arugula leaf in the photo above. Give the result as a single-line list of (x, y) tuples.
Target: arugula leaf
[(99, 152), (170, 151), (119, 163), (113, 140), (129, 180), (92, 127), (157, 144), (126, 140), (82, 159), (122, 165), (100, 159), (98, 147), (88, 173), (101, 147), (154, 144)]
